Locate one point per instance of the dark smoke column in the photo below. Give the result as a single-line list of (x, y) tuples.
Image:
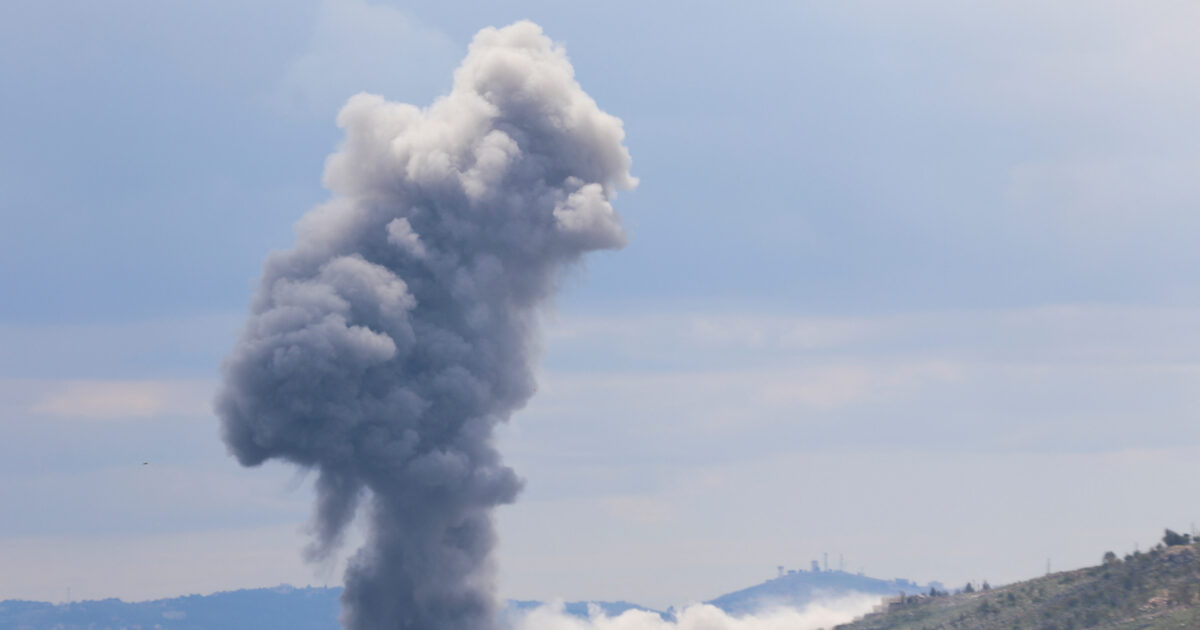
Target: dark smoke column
[(384, 347)]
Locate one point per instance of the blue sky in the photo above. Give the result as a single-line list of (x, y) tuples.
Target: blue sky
[(910, 282)]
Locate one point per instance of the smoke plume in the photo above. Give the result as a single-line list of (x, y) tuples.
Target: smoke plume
[(384, 347), (827, 613)]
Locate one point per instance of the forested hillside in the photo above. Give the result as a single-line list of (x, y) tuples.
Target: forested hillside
[(1158, 589)]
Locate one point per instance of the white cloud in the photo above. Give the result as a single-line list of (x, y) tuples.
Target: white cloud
[(671, 402), (825, 614), (701, 330), (1054, 333), (1063, 377), (119, 400)]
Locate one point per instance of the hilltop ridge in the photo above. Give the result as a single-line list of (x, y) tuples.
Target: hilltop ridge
[(1152, 590), (797, 589)]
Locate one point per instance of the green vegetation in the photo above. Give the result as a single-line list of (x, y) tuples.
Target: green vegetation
[(1171, 539), (1154, 590)]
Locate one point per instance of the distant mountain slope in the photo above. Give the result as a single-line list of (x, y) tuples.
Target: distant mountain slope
[(797, 589), (280, 608), (1144, 591), (252, 609), (288, 608)]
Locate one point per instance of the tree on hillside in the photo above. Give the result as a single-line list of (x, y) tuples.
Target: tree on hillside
[(1172, 539)]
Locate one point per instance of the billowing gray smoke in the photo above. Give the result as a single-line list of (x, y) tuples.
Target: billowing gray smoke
[(384, 348)]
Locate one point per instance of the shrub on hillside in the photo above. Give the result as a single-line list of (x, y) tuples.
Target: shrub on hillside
[(1172, 539)]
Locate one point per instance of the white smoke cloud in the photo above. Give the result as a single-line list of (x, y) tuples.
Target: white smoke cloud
[(822, 614)]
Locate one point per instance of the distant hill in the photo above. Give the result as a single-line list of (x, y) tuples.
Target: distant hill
[(1156, 590), (797, 589), (280, 608), (289, 608)]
